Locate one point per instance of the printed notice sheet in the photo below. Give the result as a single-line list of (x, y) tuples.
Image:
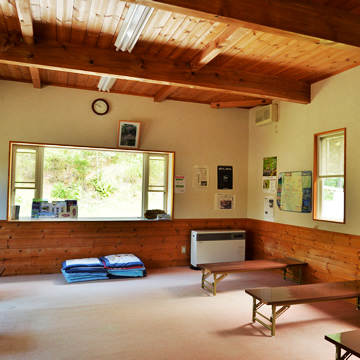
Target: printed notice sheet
[(224, 201), (201, 177), (180, 184), (269, 209), (269, 174)]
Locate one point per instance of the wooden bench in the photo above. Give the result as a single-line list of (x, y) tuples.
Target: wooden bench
[(221, 270), (303, 294), (348, 341)]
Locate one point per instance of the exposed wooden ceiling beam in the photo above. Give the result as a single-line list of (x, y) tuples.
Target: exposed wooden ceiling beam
[(95, 61), (164, 92), (224, 41), (27, 31), (35, 76), (229, 37), (240, 103), (24, 13), (295, 19), (211, 50)]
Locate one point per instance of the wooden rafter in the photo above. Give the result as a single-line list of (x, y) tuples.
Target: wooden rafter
[(27, 31), (222, 43), (293, 19), (35, 77), (24, 13), (95, 61), (164, 92), (240, 103)]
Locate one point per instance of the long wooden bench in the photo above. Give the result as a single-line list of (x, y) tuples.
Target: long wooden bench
[(221, 270), (286, 296)]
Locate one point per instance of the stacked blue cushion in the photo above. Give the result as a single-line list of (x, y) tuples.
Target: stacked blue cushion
[(84, 270), (123, 265), (103, 268)]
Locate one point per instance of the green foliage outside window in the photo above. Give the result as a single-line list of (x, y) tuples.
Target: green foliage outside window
[(103, 182), (331, 186)]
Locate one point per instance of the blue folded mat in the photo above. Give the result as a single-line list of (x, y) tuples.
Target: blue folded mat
[(103, 268)]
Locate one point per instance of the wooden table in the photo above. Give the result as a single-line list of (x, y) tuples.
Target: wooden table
[(299, 294), (221, 270), (348, 341)]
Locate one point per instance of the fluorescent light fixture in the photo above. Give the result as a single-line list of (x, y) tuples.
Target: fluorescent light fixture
[(134, 23), (106, 83)]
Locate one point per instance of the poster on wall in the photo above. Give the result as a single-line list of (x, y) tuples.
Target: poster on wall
[(295, 191), (225, 177), (224, 201), (180, 184), (269, 208), (269, 174), (200, 177)]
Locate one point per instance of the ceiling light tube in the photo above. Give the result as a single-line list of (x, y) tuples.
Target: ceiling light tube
[(106, 83), (134, 23)]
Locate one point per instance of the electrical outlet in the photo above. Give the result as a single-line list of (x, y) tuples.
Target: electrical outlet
[(183, 249)]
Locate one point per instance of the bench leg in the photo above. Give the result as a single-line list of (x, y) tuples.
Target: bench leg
[(338, 354), (204, 276), (255, 308), (272, 319), (292, 271), (211, 286), (217, 280), (274, 315)]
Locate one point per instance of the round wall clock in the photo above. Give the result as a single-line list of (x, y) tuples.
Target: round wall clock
[(100, 106)]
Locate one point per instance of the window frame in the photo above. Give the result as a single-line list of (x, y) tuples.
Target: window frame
[(38, 182), (169, 177), (317, 177), (147, 185)]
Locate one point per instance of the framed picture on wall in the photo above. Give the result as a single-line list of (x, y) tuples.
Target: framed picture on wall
[(128, 134)]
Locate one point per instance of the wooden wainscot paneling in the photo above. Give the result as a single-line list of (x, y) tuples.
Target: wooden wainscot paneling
[(330, 256), (41, 247)]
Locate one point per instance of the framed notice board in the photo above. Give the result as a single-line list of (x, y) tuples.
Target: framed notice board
[(294, 191)]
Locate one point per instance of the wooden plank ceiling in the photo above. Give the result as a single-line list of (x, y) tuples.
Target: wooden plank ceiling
[(225, 53)]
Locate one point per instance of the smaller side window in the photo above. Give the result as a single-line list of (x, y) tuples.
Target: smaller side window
[(27, 178), (329, 176)]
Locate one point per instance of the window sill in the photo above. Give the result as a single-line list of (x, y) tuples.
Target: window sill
[(335, 221), (29, 219)]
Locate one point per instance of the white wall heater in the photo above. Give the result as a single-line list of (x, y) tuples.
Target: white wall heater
[(214, 246)]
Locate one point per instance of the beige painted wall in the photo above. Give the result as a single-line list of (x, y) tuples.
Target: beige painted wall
[(198, 134), (335, 104)]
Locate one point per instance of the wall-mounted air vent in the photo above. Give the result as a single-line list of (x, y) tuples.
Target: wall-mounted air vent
[(266, 115)]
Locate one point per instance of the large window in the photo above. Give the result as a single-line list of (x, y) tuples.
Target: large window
[(329, 176), (103, 183)]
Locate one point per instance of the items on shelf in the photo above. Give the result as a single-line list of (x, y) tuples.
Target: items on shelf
[(41, 209), (152, 214)]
